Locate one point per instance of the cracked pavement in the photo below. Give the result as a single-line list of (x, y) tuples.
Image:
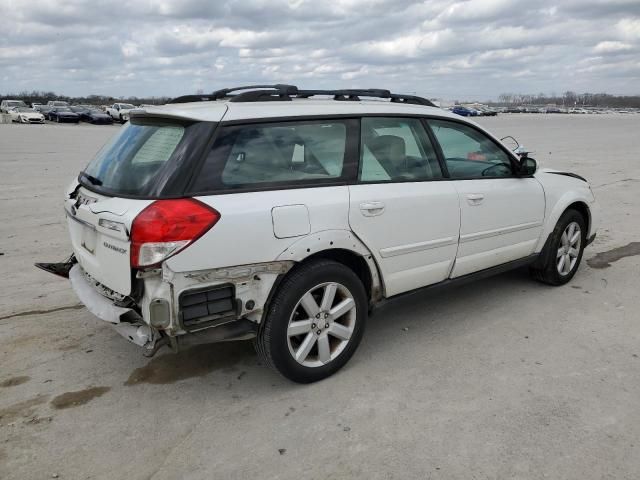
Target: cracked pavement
[(502, 378)]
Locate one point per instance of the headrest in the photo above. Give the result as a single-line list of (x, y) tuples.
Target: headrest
[(388, 148)]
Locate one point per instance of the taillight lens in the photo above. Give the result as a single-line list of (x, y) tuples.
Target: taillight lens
[(167, 226)]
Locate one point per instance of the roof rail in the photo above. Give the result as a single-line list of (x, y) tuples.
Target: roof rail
[(354, 95), (224, 93), (281, 92)]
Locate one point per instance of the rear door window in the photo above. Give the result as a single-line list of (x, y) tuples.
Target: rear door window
[(277, 154)]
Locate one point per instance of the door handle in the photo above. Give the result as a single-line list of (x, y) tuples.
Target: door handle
[(475, 199), (372, 209)]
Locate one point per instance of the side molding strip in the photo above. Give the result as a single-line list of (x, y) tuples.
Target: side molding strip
[(416, 247), (498, 231)]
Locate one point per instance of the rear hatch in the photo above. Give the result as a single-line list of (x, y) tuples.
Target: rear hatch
[(99, 228), (148, 159)]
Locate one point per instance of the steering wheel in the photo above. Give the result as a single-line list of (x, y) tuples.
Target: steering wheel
[(497, 170)]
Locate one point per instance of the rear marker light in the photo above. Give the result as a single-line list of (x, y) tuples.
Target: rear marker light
[(166, 227)]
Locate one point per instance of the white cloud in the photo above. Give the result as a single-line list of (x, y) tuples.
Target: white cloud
[(612, 47), (434, 47)]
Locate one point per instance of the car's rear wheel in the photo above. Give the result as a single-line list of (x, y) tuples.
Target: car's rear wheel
[(314, 323), (563, 252)]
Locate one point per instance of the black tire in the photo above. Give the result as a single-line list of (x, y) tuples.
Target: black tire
[(546, 269), (272, 341)]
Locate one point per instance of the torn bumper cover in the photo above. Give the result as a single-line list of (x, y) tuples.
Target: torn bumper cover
[(179, 310), (103, 308)]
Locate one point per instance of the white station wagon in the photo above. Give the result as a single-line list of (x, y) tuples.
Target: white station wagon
[(286, 215)]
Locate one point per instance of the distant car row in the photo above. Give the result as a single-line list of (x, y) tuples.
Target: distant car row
[(572, 110), (60, 111), (475, 111)]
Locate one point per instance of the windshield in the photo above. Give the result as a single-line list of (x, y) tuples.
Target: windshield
[(23, 109), (127, 106), (132, 159), (62, 109)]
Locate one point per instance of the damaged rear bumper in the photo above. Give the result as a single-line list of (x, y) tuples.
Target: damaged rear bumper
[(97, 304), (126, 321), (195, 307)]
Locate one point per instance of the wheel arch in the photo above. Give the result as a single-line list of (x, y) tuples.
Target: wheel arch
[(567, 202), (343, 247), (583, 209), (348, 258)]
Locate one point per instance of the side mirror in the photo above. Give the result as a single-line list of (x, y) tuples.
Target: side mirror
[(528, 166)]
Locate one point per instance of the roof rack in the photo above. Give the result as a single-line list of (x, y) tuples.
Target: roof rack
[(281, 92)]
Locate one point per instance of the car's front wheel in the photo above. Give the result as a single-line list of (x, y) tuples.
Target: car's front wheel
[(562, 255), (315, 321)]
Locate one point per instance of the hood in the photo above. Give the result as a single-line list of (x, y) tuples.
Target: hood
[(31, 114)]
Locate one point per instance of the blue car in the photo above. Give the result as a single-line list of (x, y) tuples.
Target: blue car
[(464, 111), (63, 114)]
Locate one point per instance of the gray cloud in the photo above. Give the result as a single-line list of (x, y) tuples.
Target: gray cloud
[(438, 48)]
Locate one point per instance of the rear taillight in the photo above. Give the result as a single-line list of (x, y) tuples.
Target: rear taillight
[(167, 226)]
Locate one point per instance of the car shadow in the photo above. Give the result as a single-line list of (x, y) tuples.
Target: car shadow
[(235, 359)]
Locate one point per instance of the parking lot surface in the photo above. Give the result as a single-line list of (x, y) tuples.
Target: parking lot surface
[(503, 378)]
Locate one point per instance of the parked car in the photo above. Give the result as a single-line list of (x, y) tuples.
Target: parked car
[(120, 111), (7, 105), (25, 115), (95, 116), (57, 103), (464, 111), (288, 221), (487, 111), (43, 109), (77, 109), (63, 114)]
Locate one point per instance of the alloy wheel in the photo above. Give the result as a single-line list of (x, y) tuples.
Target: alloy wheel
[(321, 324), (569, 249)]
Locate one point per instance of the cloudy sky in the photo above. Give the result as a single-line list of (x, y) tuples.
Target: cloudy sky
[(436, 48)]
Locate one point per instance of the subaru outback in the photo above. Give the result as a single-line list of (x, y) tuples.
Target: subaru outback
[(286, 215)]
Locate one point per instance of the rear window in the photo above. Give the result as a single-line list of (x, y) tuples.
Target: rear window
[(274, 154), (129, 163)]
